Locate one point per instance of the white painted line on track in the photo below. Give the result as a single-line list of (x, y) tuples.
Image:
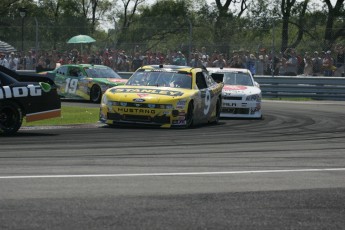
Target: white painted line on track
[(173, 174)]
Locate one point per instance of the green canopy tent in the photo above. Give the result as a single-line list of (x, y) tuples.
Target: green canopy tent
[(81, 39)]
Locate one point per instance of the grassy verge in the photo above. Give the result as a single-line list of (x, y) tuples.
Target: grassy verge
[(70, 115)]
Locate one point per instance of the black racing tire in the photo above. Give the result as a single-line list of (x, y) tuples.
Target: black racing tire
[(95, 94), (218, 109), (11, 117), (190, 115)]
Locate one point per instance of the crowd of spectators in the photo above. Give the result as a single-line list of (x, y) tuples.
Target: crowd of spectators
[(288, 63)]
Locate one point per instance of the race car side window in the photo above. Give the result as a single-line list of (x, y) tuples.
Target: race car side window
[(200, 81), (209, 80), (74, 71)]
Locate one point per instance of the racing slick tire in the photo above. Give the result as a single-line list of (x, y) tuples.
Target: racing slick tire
[(11, 117), (190, 115), (95, 94)]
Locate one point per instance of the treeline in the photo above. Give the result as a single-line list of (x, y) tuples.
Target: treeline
[(175, 24)]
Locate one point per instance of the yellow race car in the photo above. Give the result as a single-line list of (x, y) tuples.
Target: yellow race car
[(164, 96)]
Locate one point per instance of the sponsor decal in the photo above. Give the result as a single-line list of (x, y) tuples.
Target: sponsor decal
[(176, 122), (229, 104), (45, 86), (147, 91), (136, 110), (138, 100), (116, 80), (181, 104), (235, 87), (20, 91), (141, 95)]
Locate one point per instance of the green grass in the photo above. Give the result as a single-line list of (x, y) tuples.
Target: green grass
[(70, 115)]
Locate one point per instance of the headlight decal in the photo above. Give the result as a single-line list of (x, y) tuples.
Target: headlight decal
[(254, 97)]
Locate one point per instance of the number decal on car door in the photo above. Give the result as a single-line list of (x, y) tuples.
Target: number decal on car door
[(71, 85), (207, 102)]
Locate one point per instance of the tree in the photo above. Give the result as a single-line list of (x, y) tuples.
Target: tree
[(333, 13), (164, 20), (225, 22), (301, 9), (127, 16)]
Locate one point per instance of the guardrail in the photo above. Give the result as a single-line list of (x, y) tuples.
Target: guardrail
[(318, 88)]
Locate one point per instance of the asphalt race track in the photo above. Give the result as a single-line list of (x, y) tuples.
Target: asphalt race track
[(286, 171)]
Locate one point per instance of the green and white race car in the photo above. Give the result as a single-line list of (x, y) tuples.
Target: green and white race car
[(84, 81)]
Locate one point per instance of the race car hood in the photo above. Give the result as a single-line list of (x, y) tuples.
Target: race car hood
[(146, 94), (240, 90)]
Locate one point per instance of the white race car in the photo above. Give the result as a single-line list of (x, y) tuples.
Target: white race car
[(241, 95)]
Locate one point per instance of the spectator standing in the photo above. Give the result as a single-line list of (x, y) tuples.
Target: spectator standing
[(260, 63), (48, 60), (137, 62), (29, 61), (13, 62), (106, 59), (204, 60), (220, 62), (203, 54), (251, 64), (75, 56), (340, 60), (180, 59), (308, 64), (244, 55), (236, 62), (41, 64), (281, 64), (196, 61), (154, 60), (291, 65), (328, 64), (316, 64), (300, 64), (213, 58), (3, 60)]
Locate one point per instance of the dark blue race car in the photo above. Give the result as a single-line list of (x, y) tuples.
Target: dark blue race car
[(26, 95)]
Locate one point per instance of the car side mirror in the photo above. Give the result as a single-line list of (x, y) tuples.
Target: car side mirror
[(257, 84)]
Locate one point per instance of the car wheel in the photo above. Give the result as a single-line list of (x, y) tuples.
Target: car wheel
[(11, 117), (190, 115), (218, 108), (95, 94)]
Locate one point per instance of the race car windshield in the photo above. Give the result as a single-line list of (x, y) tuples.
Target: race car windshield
[(161, 79), (237, 79), (101, 73)]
